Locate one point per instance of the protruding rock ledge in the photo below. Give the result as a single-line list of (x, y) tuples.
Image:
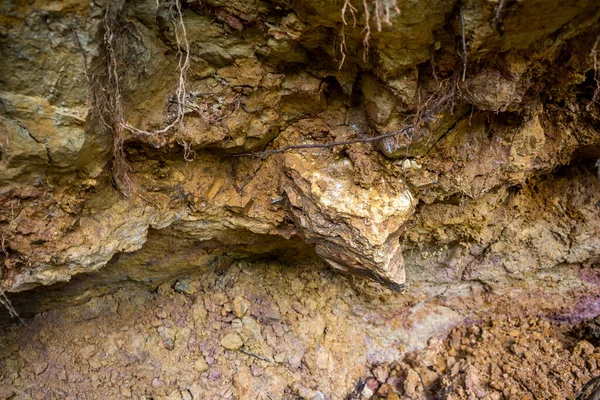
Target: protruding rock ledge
[(354, 229)]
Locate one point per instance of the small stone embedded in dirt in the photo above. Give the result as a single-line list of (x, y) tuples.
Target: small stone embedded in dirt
[(126, 309), (323, 360), (199, 311), (366, 393), (175, 395), (237, 324), (226, 309), (39, 367), (381, 372), (428, 376), (256, 370), (62, 375), (168, 336), (214, 375), (305, 392), (319, 396), (126, 392), (165, 289), (280, 357), (240, 306), (412, 384), (232, 341), (185, 287), (157, 383), (370, 388), (385, 389), (95, 362), (200, 365), (186, 395)]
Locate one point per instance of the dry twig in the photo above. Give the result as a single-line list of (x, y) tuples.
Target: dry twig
[(421, 115), (247, 352), (83, 54)]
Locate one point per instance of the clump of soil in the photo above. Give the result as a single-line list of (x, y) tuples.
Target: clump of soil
[(501, 358)]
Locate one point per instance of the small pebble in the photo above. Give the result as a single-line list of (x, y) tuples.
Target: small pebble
[(232, 341), (185, 287), (156, 383)]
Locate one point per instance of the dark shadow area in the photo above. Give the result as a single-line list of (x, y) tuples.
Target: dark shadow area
[(163, 258)]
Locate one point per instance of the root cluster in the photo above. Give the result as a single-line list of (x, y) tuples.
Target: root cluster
[(107, 100), (380, 15)]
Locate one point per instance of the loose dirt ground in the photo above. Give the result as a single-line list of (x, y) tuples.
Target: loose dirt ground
[(267, 331)]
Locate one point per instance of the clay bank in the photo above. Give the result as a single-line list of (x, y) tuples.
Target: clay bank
[(308, 199)]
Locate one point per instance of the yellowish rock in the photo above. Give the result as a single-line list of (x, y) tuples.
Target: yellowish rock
[(232, 341), (240, 306)]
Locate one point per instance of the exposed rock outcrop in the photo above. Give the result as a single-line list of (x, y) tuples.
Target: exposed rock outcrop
[(352, 227), (486, 171)]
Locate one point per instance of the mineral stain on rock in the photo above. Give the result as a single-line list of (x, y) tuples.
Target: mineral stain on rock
[(177, 179)]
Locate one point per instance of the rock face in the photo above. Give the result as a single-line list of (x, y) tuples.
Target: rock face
[(353, 228), (468, 134)]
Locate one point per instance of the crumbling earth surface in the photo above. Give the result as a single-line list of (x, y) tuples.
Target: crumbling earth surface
[(501, 358), (266, 330)]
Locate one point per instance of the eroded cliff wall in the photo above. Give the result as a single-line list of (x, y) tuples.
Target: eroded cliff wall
[(431, 141)]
